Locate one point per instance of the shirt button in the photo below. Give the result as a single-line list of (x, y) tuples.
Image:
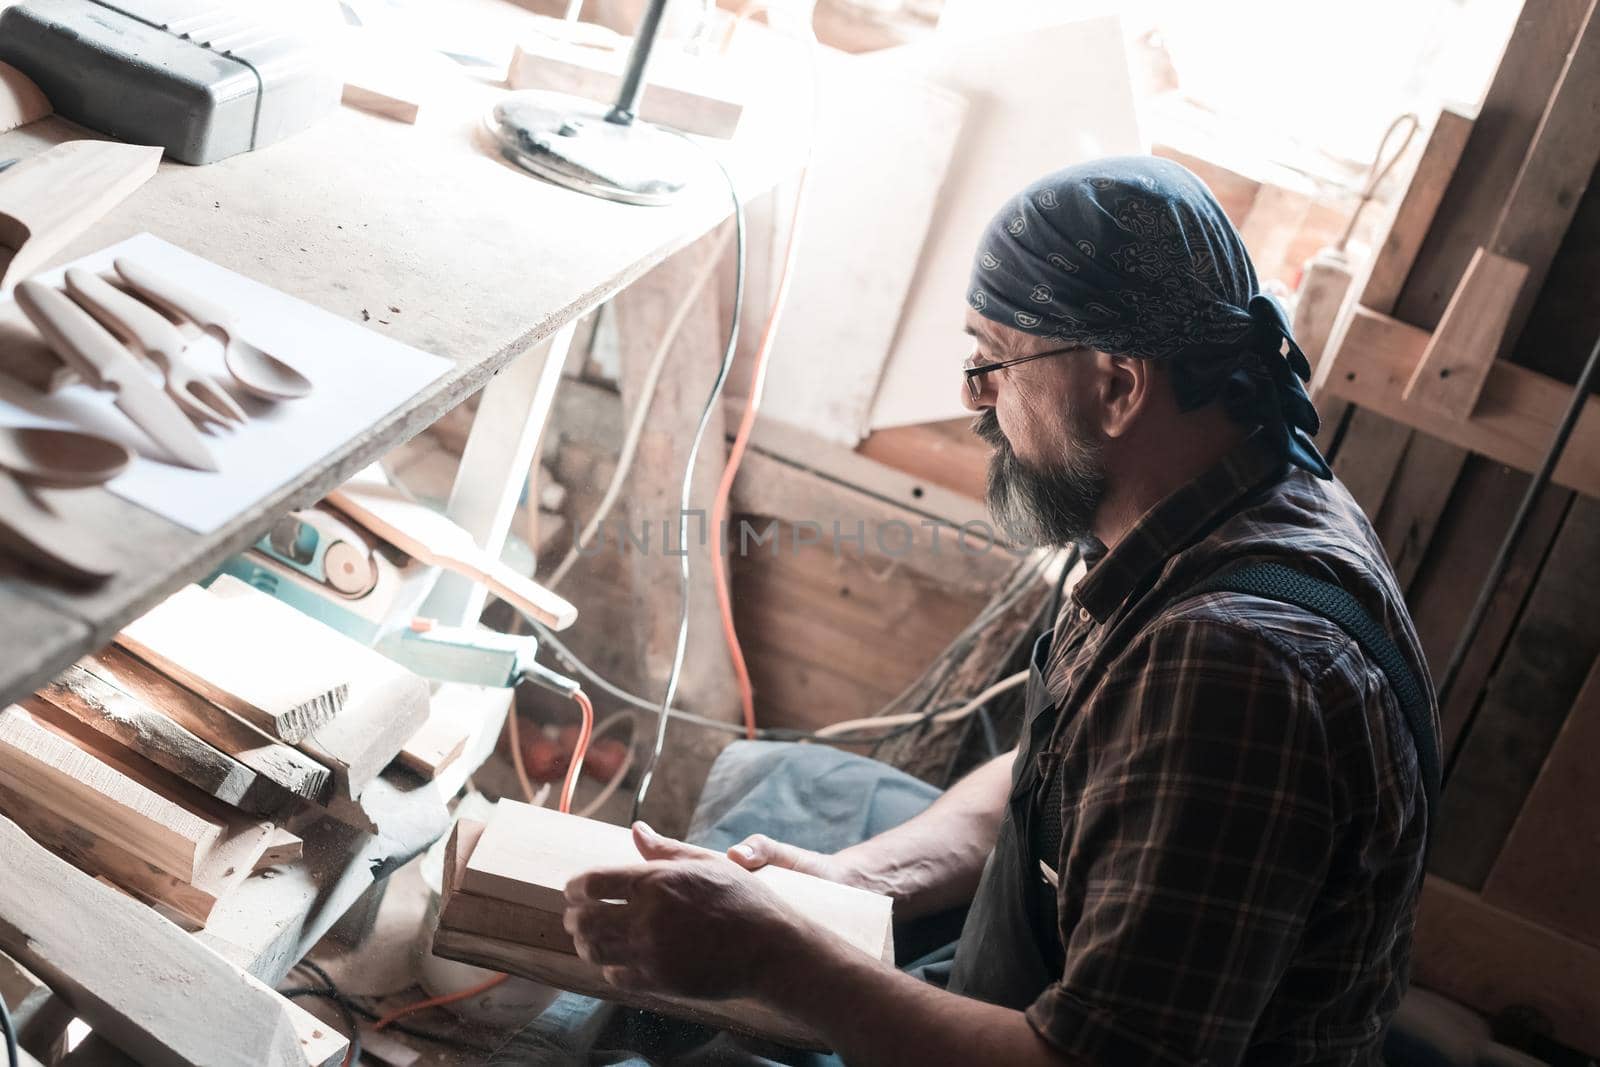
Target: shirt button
[(1083, 614)]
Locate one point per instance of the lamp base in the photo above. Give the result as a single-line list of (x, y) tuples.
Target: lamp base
[(567, 140)]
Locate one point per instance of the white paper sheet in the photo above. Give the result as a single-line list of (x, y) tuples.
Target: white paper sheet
[(359, 376)]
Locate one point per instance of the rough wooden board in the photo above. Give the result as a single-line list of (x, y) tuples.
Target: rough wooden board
[(297, 775), (150, 733), (945, 454), (1414, 214), (689, 93), (52, 771), (1515, 419), (385, 703), (1449, 377), (1550, 865), (50, 198), (1527, 700), (526, 855), (1416, 498), (140, 981), (279, 681), (863, 233), (1492, 960), (1321, 296), (37, 1013), (21, 101), (487, 916)]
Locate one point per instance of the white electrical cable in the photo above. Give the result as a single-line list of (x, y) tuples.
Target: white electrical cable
[(850, 726), (647, 392)]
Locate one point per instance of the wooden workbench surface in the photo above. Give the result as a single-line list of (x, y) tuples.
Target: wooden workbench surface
[(421, 232)]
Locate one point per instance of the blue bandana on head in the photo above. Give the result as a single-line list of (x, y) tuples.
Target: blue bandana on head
[(1133, 256)]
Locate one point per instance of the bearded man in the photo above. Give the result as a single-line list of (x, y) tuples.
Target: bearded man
[(1208, 846)]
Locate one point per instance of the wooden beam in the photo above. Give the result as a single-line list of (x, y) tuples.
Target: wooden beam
[(1513, 423), (50, 770), (1492, 960), (131, 722), (1539, 675), (1392, 260), (286, 686), (1550, 865), (296, 774), (1456, 361), (146, 985)]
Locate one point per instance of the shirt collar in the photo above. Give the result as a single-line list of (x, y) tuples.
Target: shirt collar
[(1174, 524)]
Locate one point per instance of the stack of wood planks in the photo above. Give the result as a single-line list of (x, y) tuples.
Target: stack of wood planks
[(176, 763), (504, 896)]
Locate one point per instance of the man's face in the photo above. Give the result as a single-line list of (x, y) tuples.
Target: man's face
[(1046, 476)]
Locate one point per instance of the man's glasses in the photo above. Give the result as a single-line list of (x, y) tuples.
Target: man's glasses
[(975, 368)]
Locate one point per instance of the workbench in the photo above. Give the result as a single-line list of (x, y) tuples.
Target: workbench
[(424, 233), (420, 232)]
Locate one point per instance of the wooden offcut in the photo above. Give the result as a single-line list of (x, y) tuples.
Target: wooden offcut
[(1454, 365), (160, 739), (54, 772), (135, 978), (281, 682), (298, 775), (435, 745), (384, 703), (52, 197)]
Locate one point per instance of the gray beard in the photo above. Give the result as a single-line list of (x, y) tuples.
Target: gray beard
[(1043, 507)]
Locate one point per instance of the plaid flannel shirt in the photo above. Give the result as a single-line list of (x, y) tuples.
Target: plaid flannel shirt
[(1243, 821)]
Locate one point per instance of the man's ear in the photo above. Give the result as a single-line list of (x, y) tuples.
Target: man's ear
[(1125, 390)]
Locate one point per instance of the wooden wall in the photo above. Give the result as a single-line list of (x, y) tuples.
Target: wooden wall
[(1511, 916)]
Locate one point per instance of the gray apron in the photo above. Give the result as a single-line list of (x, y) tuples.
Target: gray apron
[(1004, 955)]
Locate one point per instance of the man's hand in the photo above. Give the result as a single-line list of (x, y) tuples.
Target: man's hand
[(687, 922), (759, 850)]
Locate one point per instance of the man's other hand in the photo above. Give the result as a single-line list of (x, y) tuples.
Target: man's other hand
[(759, 850)]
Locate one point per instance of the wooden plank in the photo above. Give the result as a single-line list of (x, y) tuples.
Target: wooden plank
[(946, 454), (1448, 581), (1366, 460), (384, 702), (1416, 499), (863, 235), (1533, 687), (1553, 176), (1550, 865), (1493, 960), (1450, 375), (281, 683), (148, 732), (38, 1015), (141, 982), (1322, 293), (487, 916), (50, 770), (1414, 214), (296, 774), (526, 855), (1515, 419)]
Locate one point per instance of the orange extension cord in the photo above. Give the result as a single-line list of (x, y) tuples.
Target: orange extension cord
[(579, 750), (741, 439)]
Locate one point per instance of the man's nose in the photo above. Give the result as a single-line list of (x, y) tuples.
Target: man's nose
[(983, 402)]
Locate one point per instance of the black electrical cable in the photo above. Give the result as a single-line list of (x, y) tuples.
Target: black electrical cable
[(352, 1057), (332, 992), (13, 1056), (712, 400)]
